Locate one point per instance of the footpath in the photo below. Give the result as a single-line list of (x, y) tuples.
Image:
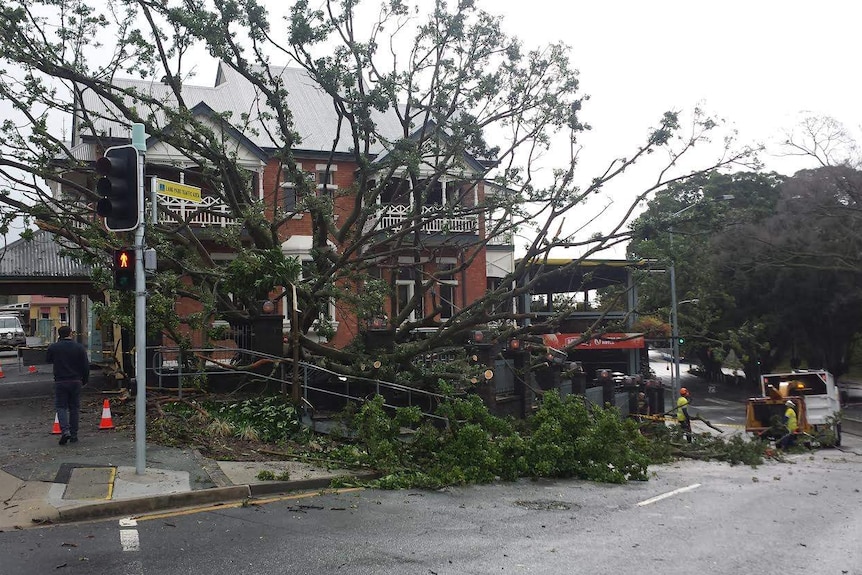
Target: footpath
[(42, 482)]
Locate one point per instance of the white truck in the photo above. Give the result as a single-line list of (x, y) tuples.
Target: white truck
[(817, 404)]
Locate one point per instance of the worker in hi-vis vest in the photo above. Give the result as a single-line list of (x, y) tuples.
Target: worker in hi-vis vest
[(682, 413), (791, 422)]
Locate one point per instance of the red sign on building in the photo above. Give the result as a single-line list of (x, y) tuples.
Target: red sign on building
[(604, 341)]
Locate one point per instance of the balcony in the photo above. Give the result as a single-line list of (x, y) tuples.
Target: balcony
[(393, 217), (208, 213)]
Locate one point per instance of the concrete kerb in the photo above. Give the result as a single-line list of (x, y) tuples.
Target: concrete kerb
[(276, 487), (851, 425), (151, 504), (190, 499)]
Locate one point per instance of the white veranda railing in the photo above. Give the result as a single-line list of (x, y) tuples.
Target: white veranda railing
[(210, 212), (392, 217)]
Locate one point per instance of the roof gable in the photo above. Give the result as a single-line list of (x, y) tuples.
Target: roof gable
[(430, 127), (202, 110)]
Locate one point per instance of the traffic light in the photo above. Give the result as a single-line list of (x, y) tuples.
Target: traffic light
[(681, 340), (124, 269), (119, 188)]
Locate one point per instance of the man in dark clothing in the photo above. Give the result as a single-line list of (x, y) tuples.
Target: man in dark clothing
[(71, 371)]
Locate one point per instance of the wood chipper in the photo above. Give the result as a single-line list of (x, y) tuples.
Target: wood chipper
[(815, 397)]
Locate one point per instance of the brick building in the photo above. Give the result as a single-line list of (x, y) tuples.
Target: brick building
[(453, 250)]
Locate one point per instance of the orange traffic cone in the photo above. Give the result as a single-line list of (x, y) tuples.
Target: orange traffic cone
[(56, 430), (2, 375), (107, 422), (32, 369)]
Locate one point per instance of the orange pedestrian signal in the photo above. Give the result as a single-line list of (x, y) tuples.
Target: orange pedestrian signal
[(124, 269)]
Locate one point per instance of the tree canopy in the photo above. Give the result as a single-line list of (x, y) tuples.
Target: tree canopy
[(771, 275), (411, 95)]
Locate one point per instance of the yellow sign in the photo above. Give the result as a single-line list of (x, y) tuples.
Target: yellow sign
[(177, 190)]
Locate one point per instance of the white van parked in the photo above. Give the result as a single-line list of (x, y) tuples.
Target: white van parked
[(11, 332)]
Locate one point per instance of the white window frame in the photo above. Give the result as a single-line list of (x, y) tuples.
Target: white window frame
[(329, 187), (330, 309), (411, 289), (450, 283), (453, 286)]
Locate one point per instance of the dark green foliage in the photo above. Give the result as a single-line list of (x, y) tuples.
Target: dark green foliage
[(571, 440), (265, 475), (379, 433), (736, 449), (564, 439), (476, 447)]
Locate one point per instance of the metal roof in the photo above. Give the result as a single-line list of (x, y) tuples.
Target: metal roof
[(35, 266), (312, 109)]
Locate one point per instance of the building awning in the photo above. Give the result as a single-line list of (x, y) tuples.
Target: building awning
[(604, 341), (566, 275)]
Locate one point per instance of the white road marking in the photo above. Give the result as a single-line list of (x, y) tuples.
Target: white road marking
[(129, 540), (668, 494)]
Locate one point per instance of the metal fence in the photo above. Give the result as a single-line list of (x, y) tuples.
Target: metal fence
[(321, 389)]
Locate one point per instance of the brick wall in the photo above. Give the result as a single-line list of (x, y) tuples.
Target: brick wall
[(471, 282)]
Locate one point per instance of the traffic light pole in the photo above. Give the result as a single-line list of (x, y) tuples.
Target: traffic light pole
[(139, 141)]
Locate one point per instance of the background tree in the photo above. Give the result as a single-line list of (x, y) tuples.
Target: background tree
[(713, 322), (775, 271), (450, 78), (799, 269)]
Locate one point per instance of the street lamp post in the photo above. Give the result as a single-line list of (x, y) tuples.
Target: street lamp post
[(674, 327), (675, 377)]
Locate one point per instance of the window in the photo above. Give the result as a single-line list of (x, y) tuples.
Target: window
[(290, 198), (396, 191), (64, 317), (500, 307), (322, 178), (434, 193), (448, 193), (405, 288), (446, 288), (325, 181), (45, 313), (447, 300), (326, 309)]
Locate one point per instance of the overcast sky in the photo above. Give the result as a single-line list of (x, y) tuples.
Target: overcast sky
[(761, 64)]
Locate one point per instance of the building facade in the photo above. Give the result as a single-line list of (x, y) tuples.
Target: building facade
[(430, 278)]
